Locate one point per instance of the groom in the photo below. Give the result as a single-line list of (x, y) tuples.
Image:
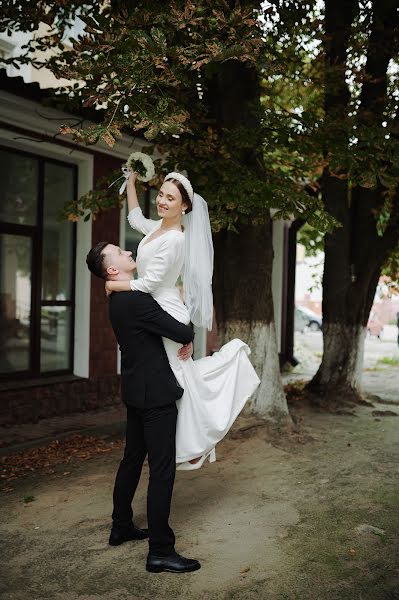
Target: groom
[(150, 391)]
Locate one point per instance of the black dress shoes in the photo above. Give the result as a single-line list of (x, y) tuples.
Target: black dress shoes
[(118, 536), (173, 564)]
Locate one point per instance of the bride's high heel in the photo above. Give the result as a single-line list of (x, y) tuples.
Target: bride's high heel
[(187, 466)]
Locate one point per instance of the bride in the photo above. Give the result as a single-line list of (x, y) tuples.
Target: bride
[(216, 387)]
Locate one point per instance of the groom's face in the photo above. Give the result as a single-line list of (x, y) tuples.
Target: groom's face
[(117, 261)]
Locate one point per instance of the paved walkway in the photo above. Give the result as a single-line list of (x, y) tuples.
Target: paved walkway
[(109, 420)]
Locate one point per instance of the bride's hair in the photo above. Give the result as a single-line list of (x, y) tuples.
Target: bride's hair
[(184, 194)]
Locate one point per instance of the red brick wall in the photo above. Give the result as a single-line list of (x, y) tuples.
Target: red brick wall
[(30, 404), (103, 347)]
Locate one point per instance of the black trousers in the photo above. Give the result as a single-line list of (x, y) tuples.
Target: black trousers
[(149, 431)]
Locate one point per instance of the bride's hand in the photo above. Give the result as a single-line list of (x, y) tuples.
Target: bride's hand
[(131, 182), (108, 289)]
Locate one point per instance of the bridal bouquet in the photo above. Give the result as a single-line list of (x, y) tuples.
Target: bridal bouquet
[(141, 164)]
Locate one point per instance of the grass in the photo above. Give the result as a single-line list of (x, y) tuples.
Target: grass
[(337, 563), (392, 361), (326, 558), (28, 499)]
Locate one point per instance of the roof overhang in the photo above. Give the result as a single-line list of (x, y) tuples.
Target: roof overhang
[(26, 107)]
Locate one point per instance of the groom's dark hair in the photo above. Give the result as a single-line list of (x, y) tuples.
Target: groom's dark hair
[(95, 260)]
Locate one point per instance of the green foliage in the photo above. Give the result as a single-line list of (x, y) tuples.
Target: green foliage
[(150, 68), (312, 239), (102, 197), (357, 140), (391, 270), (28, 499), (390, 360)]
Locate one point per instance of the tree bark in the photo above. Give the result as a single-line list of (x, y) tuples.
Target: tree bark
[(354, 253), (243, 261), (244, 309)]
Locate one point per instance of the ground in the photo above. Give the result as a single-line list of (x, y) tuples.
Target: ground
[(272, 519)]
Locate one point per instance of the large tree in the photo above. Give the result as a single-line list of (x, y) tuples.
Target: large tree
[(341, 77), (361, 200), (187, 76)]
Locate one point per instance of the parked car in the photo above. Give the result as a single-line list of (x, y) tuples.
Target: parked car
[(300, 321), (304, 317), (374, 326)]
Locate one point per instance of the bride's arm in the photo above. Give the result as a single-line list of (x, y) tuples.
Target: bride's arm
[(117, 286), (135, 217), (132, 200), (168, 253)]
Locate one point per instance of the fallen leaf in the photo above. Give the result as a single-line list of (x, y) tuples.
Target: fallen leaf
[(66, 451)]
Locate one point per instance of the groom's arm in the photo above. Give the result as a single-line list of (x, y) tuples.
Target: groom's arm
[(158, 321)]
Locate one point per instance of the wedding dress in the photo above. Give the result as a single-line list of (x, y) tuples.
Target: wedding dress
[(216, 387)]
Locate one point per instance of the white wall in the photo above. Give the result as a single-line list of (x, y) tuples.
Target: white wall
[(277, 276), (308, 278), (11, 46)]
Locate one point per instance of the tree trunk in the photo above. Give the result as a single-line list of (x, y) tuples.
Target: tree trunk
[(244, 260), (354, 256), (244, 309), (342, 357)]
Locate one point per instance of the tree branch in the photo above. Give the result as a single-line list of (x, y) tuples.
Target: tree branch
[(339, 16), (381, 48)]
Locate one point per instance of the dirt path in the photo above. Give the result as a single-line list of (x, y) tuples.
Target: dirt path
[(267, 522)]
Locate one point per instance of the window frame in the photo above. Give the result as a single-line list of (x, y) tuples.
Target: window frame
[(35, 234)]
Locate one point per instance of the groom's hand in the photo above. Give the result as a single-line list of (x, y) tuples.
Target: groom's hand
[(185, 352)]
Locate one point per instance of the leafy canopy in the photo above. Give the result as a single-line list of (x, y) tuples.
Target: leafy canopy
[(149, 66)]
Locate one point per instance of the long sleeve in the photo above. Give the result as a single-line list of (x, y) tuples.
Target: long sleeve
[(139, 222), (161, 323), (168, 253)]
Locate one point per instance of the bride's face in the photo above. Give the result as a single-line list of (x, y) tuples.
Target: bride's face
[(169, 201)]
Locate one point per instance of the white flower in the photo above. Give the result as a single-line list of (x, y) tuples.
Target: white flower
[(140, 157)]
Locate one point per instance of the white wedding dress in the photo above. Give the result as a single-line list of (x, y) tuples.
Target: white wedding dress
[(216, 387)]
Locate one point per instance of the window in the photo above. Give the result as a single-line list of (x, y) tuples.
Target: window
[(37, 258), (148, 206)]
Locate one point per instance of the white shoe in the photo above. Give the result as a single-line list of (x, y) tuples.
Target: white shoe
[(187, 466)]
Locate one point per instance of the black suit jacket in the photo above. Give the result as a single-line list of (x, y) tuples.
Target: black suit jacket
[(138, 323)]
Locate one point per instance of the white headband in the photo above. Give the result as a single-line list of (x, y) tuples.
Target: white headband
[(184, 181)]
